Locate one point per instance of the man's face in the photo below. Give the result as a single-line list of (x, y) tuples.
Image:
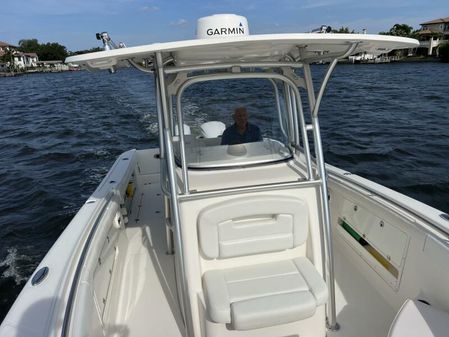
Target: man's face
[(240, 117)]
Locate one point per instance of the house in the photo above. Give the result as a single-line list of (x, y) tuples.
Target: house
[(4, 48), (437, 25), (20, 60), (432, 34), (25, 60)]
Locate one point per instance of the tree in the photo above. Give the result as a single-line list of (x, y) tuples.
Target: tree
[(7, 58), (400, 30), (343, 30), (52, 51), (443, 51), (46, 52), (85, 51), (29, 46)]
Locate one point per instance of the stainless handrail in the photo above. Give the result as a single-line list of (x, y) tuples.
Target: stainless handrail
[(194, 195), (218, 66)]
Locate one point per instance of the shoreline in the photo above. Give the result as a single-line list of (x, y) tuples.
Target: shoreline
[(21, 73), (411, 59)]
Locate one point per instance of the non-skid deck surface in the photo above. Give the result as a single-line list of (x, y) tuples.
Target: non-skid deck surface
[(361, 311), (149, 286)]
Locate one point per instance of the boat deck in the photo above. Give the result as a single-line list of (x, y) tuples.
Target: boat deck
[(150, 300), (361, 311)]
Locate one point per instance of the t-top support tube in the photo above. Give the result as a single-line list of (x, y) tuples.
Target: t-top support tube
[(300, 112), (160, 119), (174, 196), (293, 120), (328, 262), (294, 106), (182, 143), (327, 229), (327, 226), (278, 107), (331, 68)]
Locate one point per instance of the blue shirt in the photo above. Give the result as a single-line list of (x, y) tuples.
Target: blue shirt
[(231, 136)]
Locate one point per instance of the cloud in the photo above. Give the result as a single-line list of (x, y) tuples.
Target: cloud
[(320, 3), (149, 9), (180, 22)]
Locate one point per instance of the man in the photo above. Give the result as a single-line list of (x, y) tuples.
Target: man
[(241, 131)]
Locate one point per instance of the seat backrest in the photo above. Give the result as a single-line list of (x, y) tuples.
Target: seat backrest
[(252, 225), (212, 129)]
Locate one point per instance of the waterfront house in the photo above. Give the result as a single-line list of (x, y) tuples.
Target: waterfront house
[(4, 47), (25, 60), (432, 34), (20, 60)]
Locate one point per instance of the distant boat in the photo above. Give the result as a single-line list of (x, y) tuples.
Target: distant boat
[(372, 58)]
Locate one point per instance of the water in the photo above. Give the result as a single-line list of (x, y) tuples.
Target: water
[(60, 133)]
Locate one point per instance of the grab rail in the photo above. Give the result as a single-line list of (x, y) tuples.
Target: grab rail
[(247, 189)]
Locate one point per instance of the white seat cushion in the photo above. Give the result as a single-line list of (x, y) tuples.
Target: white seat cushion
[(417, 319), (263, 295)]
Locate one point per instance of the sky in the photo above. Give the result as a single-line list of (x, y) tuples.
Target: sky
[(73, 23)]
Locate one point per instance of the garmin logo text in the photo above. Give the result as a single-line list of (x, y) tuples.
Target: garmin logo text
[(225, 31)]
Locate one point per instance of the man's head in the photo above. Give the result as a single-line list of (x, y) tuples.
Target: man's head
[(241, 117)]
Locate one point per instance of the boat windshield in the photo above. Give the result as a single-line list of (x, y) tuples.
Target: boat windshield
[(234, 122)]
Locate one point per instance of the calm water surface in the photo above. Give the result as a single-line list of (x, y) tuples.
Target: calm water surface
[(60, 133)]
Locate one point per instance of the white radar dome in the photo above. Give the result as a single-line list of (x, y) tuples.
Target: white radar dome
[(221, 25)]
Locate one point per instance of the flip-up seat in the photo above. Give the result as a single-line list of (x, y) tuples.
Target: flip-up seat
[(417, 319), (263, 294)]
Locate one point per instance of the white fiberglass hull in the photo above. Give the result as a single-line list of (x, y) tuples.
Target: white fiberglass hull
[(109, 272)]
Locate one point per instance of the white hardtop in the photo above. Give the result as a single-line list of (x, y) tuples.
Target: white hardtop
[(301, 47)]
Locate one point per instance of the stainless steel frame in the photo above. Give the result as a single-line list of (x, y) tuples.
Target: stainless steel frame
[(185, 171), (248, 189), (306, 148), (327, 227), (278, 107), (293, 126), (217, 66), (212, 77), (294, 107), (174, 196)]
